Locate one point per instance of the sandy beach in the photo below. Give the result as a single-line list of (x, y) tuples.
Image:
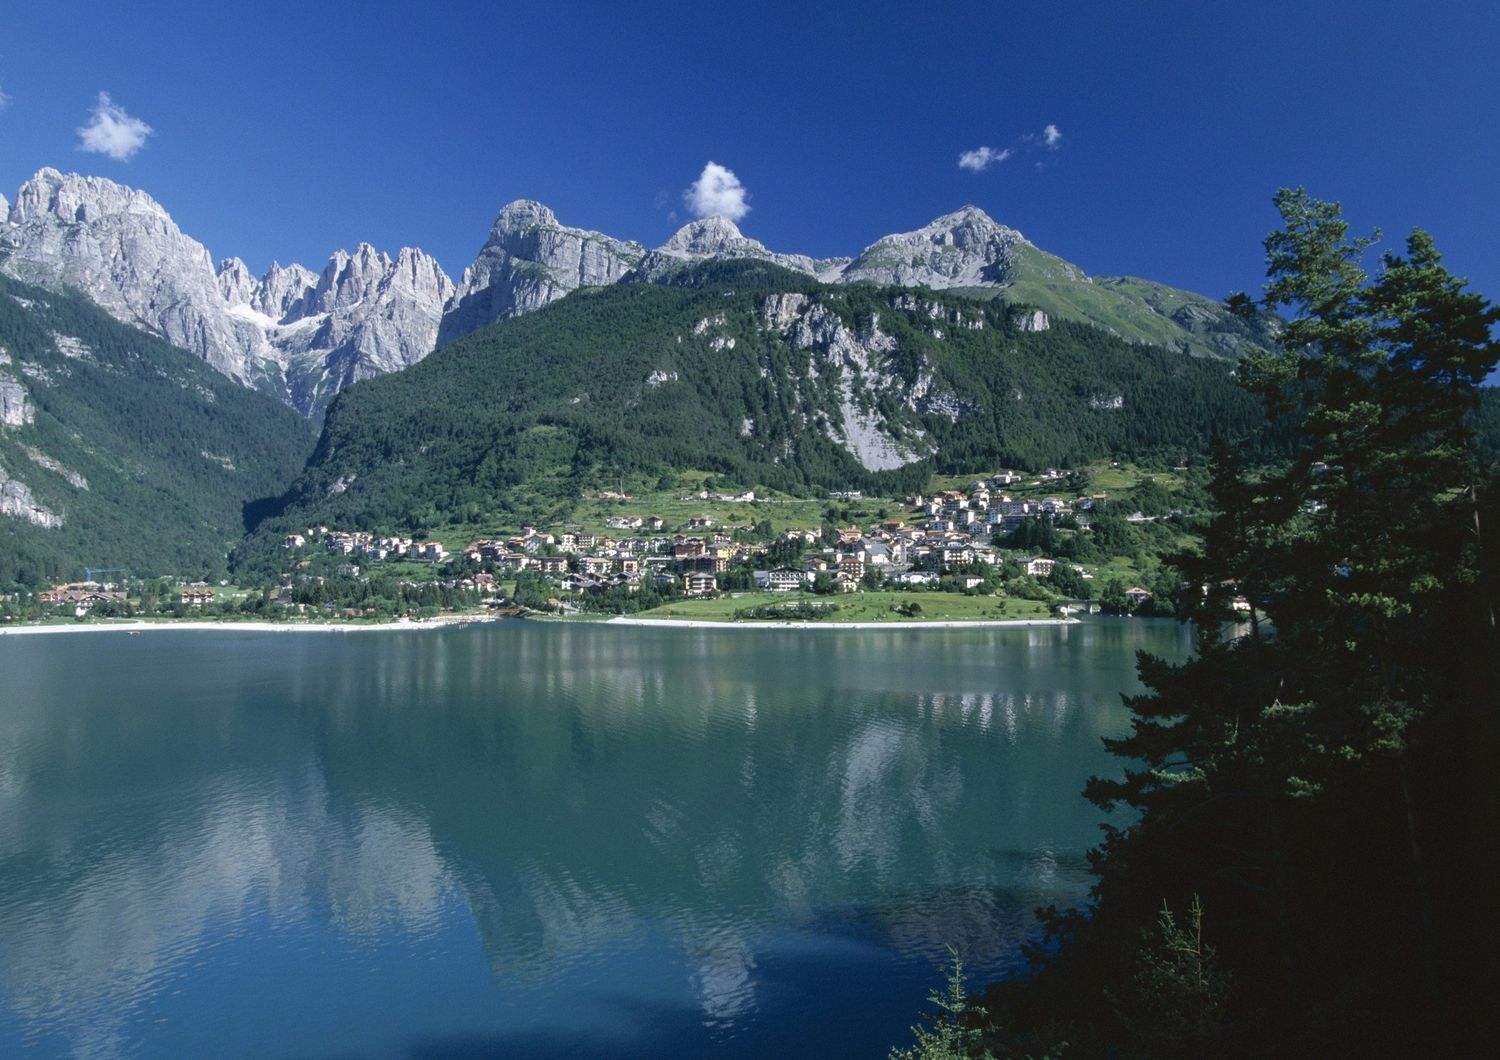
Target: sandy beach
[(129, 626)]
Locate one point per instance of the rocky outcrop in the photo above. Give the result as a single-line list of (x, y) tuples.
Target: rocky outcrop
[(15, 404), (528, 261), (18, 502), (781, 311), (719, 239), (961, 249), (1032, 320), (857, 365), (41, 459)]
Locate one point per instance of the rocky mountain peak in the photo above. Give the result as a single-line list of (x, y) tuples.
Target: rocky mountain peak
[(366, 260), (718, 238), (351, 278), (968, 227), (966, 248), (520, 215), (285, 293), (965, 213), (529, 260), (73, 198), (707, 237), (417, 271), (120, 247), (297, 334), (236, 284)]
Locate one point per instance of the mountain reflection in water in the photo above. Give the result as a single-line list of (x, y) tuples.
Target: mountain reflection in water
[(556, 839)]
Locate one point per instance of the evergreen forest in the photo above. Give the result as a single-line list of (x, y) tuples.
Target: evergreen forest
[(1302, 837), (148, 455)]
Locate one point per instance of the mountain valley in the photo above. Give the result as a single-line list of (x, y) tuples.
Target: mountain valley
[(564, 358)]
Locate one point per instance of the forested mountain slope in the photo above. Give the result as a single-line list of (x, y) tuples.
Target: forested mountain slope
[(118, 450), (756, 373)]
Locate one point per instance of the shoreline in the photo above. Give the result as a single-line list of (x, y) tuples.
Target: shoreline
[(406, 625), (141, 626), (901, 624)]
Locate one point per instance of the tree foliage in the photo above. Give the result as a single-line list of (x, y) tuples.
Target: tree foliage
[(173, 453), (1322, 778), (953, 1033)]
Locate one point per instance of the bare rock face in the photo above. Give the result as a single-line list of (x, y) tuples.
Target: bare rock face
[(18, 502), (118, 246), (236, 285), (15, 403), (41, 459), (1032, 320), (858, 365), (284, 292), (962, 249), (366, 314), (716, 239), (529, 261), (298, 335)]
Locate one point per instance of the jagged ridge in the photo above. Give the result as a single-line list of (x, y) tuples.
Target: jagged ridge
[(305, 336), (292, 333)]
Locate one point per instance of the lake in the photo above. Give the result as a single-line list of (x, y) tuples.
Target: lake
[(535, 839)]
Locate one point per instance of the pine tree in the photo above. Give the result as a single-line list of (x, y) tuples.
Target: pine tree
[(1302, 777), (953, 1035)]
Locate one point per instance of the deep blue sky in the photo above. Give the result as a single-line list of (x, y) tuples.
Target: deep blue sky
[(287, 130)]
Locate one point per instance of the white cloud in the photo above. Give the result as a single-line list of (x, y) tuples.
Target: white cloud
[(112, 132), (1052, 136), (982, 158), (4, 100), (717, 191)]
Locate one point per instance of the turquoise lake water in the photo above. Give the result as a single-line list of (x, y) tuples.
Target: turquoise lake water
[(534, 839)]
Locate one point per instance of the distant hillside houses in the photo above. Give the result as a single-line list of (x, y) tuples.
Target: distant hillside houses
[(951, 532), (359, 543), (743, 497)]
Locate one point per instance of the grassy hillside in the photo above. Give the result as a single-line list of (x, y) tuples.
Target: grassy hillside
[(146, 454), (520, 419), (1133, 309)]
